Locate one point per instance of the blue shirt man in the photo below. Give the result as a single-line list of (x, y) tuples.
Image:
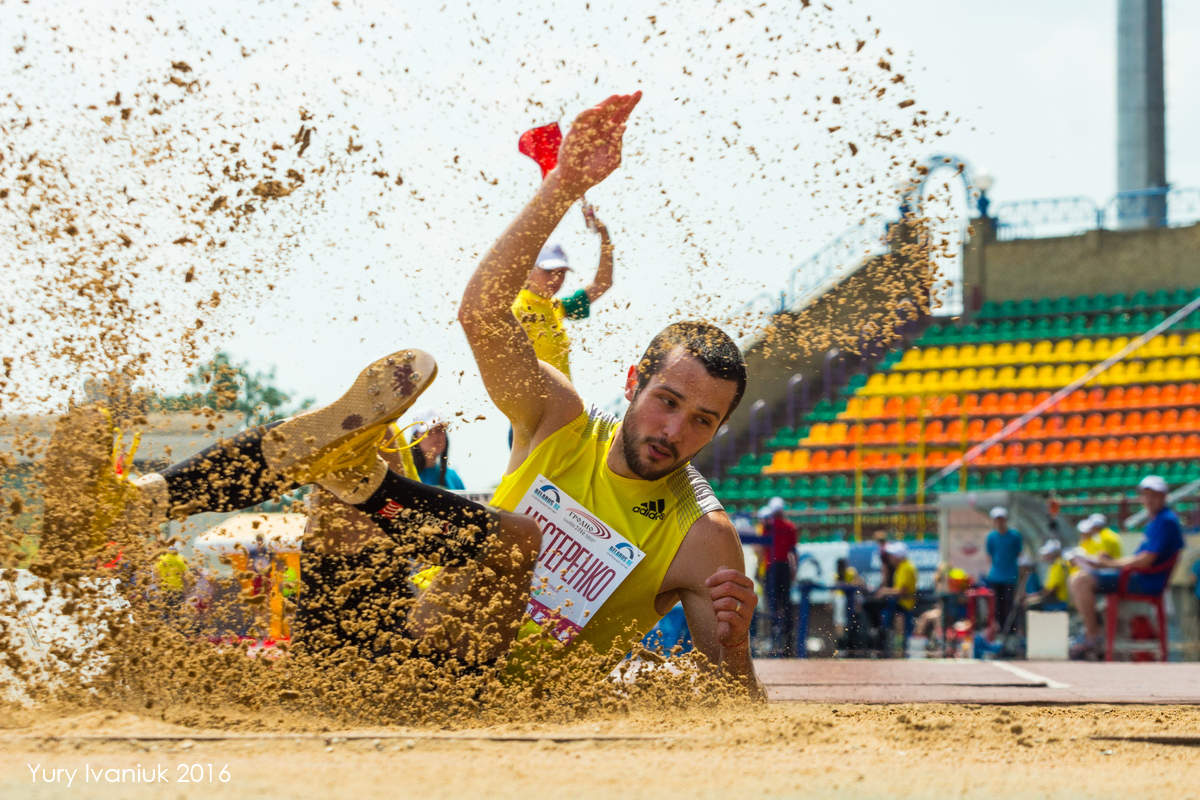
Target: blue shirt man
[(1003, 548)]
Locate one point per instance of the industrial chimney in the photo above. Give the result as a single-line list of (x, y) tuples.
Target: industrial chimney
[(1141, 145)]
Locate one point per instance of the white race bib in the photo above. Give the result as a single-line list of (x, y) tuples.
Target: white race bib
[(581, 563)]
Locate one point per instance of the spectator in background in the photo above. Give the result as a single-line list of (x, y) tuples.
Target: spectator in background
[(899, 595), (780, 574), (1053, 594), (542, 314), (1004, 549), (1101, 574), (852, 586), (172, 579), (431, 452), (1095, 537), (885, 571)]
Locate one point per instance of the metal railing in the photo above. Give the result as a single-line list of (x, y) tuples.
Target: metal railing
[(1069, 216)]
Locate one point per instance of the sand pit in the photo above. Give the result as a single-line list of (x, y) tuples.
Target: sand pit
[(777, 750)]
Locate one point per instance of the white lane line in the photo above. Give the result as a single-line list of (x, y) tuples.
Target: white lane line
[(1029, 676)]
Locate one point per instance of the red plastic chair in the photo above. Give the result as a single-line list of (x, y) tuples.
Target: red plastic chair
[(1113, 610), (974, 595)]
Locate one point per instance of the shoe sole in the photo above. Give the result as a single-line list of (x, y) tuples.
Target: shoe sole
[(304, 447)]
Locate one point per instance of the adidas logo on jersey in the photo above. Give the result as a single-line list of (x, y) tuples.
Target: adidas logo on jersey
[(651, 508)]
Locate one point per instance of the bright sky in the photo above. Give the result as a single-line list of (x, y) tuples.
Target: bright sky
[(729, 180)]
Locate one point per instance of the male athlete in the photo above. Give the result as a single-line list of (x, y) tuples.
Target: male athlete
[(596, 485), (670, 540)]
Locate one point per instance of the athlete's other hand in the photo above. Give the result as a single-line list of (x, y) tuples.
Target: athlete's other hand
[(591, 149), (734, 600)]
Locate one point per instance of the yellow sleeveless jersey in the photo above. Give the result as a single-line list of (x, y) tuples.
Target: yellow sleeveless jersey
[(653, 516), (542, 319)]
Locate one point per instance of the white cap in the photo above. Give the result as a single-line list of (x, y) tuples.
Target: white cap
[(1154, 483), (764, 512), (552, 257), (897, 549), (1086, 525), (998, 511), (1098, 520), (1051, 547), (429, 418), (775, 504)]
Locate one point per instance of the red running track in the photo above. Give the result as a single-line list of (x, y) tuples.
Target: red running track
[(961, 681)]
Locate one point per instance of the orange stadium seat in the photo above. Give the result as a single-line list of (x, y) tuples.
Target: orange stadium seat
[(1033, 429), (1110, 423), (1072, 451), (1053, 452), (1133, 422), (1152, 420), (1151, 396), (1074, 426), (839, 460), (1191, 445), (1133, 397), (1091, 450), (1189, 420), (935, 431), (819, 461), (1033, 453), (1189, 393), (1169, 395), (954, 430), (1055, 426)]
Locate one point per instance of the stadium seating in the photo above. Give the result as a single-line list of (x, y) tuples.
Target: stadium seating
[(959, 384)]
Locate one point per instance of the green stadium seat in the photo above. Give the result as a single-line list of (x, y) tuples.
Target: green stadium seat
[(990, 309), (1161, 298), (1024, 308), (1140, 299), (1043, 306), (1118, 302)]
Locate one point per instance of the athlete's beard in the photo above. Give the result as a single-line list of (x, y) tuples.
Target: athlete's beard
[(633, 459)]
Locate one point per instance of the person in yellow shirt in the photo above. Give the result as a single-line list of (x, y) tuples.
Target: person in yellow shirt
[(1053, 595), (900, 595), (541, 313), (1096, 538)]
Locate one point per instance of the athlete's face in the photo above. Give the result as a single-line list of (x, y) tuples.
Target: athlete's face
[(673, 416)]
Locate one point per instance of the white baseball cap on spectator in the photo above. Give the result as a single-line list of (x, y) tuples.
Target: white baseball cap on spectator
[(775, 504), (552, 257), (1050, 548), (764, 512), (1099, 520), (997, 512), (429, 418), (1086, 525), (1153, 483), (897, 549)]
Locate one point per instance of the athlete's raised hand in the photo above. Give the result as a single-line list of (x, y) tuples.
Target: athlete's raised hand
[(592, 147)]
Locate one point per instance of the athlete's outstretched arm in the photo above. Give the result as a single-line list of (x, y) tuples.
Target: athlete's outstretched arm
[(510, 370), (709, 574)]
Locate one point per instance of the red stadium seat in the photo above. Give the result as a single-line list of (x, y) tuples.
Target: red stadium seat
[(1122, 595)]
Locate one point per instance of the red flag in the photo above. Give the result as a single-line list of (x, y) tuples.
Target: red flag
[(541, 144)]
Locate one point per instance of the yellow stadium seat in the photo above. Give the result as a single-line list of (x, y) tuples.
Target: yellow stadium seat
[(1191, 344), (1134, 371), (875, 384), (968, 380), (1173, 344), (966, 357), (1062, 376), (913, 382), (1118, 342), (854, 408), (1003, 355), (1079, 370), (781, 461), (1064, 350), (912, 359), (939, 356), (837, 433), (1026, 378), (1155, 348), (894, 383), (1154, 370), (1083, 350), (1043, 350), (1101, 348), (950, 381), (1022, 353), (817, 434), (986, 379), (985, 356), (800, 460), (1006, 378)]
